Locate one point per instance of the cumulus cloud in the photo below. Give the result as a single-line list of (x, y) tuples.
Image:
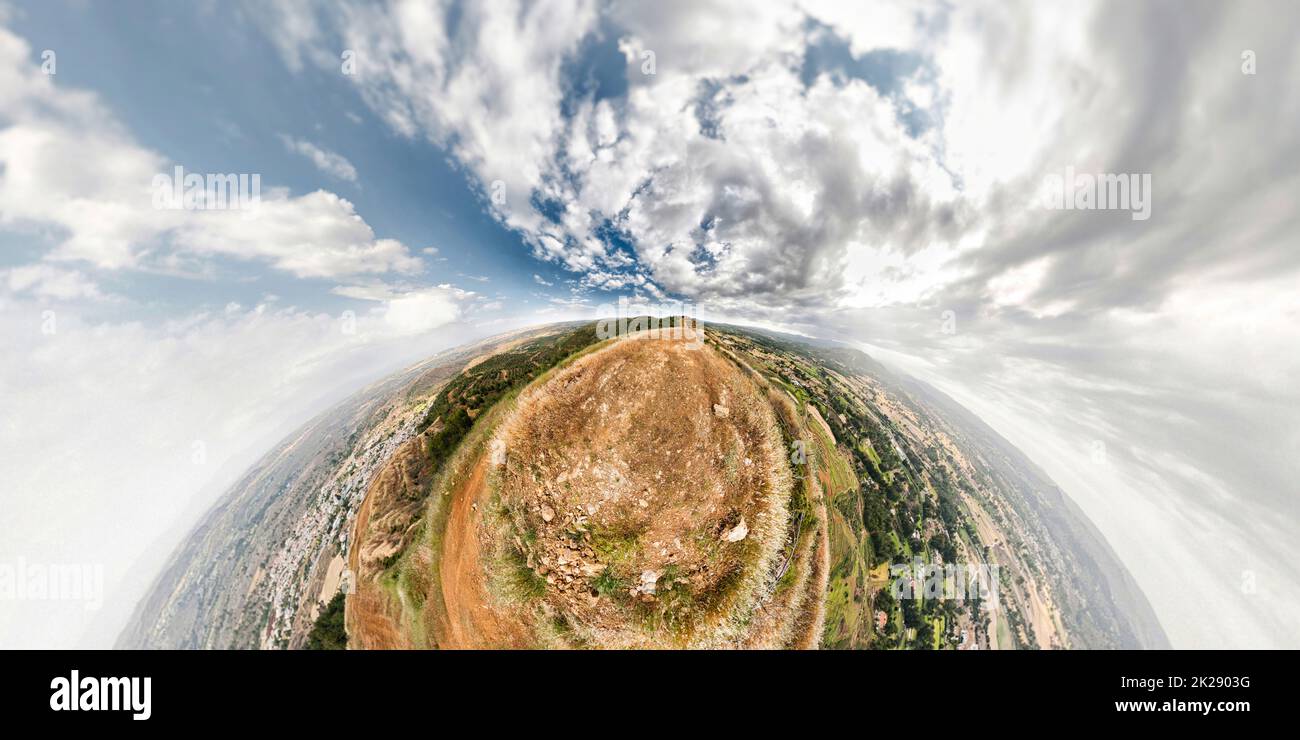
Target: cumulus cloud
[(690, 182), (413, 310), (420, 311), (417, 81), (69, 168), (865, 172), (315, 235)]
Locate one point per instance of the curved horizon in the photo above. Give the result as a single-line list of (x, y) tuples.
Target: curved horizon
[(1071, 228)]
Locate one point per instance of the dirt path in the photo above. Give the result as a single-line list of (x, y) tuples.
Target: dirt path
[(471, 621), (468, 621)]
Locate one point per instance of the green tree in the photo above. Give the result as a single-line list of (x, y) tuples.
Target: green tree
[(328, 632)]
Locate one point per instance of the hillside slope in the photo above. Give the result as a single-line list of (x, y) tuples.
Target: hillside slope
[(492, 497)]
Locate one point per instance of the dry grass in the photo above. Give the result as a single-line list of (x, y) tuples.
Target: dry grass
[(619, 465), (616, 464)]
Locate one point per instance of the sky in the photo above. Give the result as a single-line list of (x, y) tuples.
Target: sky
[(877, 173)]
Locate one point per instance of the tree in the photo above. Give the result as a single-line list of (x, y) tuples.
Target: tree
[(328, 632)]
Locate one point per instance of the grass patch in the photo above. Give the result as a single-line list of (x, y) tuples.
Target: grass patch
[(608, 583), (615, 544), (525, 583)]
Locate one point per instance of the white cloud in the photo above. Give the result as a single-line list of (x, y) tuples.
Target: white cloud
[(124, 433), (776, 154), (410, 310), (695, 40), (48, 281), (420, 311), (331, 163), (898, 24), (68, 168), (315, 235)]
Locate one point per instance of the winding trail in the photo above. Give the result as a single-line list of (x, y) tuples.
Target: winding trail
[(471, 620)]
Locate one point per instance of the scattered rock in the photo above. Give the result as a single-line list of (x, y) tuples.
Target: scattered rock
[(498, 453), (720, 411), (547, 513), (648, 580), (736, 533)]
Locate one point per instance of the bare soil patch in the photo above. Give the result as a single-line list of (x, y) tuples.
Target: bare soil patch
[(641, 497)]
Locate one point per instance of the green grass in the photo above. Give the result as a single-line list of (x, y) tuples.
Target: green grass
[(608, 583), (839, 470), (1004, 639), (870, 451), (615, 545), (525, 583)]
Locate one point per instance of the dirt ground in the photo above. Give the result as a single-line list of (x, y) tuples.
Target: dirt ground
[(647, 477), (382, 526), (471, 622), (635, 498)]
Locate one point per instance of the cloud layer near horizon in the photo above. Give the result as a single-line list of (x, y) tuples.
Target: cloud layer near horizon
[(119, 423)]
